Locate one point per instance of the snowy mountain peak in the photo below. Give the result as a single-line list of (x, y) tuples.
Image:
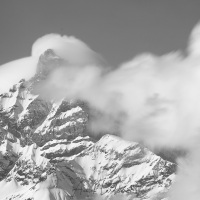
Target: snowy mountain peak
[(45, 151)]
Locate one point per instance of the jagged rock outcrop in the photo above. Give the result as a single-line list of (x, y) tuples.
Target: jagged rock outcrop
[(45, 151)]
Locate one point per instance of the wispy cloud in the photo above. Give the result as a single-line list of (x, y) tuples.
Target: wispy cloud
[(12, 72), (158, 95), (194, 42), (68, 47), (71, 49)]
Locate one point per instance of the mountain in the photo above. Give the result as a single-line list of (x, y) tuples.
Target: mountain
[(46, 150)]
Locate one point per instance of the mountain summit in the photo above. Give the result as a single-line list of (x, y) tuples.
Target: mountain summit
[(48, 61)]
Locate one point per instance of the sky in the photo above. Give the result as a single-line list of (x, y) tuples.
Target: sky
[(116, 29)]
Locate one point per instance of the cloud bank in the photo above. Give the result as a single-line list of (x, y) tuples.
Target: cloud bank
[(12, 72), (158, 97), (74, 51), (152, 99), (68, 47), (194, 42)]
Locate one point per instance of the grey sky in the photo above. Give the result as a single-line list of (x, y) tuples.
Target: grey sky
[(117, 29)]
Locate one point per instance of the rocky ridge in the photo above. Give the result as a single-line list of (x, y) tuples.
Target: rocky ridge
[(46, 151)]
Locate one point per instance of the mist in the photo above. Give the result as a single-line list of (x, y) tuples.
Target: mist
[(157, 95), (12, 72), (153, 99), (67, 47)]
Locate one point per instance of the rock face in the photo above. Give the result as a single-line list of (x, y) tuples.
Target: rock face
[(115, 166), (45, 151)]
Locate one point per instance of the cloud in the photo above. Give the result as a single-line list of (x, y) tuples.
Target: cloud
[(194, 43), (152, 99), (187, 181), (74, 51), (159, 96), (68, 47), (12, 72)]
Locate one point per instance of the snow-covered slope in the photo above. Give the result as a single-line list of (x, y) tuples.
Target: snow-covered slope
[(36, 173), (116, 166), (46, 153)]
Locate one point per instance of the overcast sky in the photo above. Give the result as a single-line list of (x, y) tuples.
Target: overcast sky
[(117, 29)]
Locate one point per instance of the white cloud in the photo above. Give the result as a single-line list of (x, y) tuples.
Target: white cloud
[(12, 72), (68, 47), (71, 49), (156, 94), (154, 99), (194, 43), (187, 181)]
